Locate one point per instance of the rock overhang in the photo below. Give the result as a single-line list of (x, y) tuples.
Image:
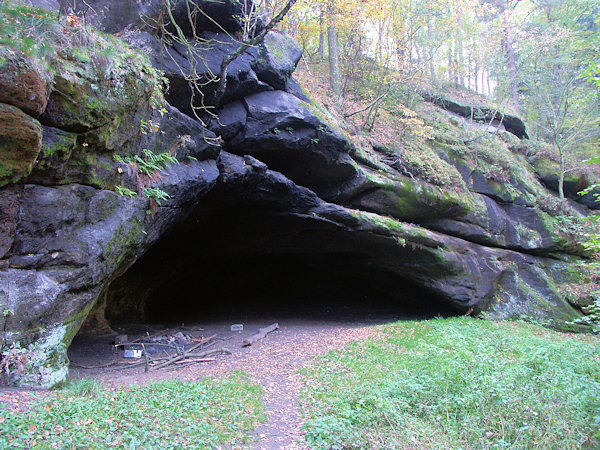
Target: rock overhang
[(287, 196)]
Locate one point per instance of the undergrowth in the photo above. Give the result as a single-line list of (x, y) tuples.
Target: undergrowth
[(206, 414), (459, 383)]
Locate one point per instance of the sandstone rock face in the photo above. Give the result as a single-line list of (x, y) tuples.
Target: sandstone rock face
[(23, 83), (20, 143), (510, 123), (113, 16), (269, 178)]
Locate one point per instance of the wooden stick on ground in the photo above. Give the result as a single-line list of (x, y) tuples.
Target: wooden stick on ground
[(181, 357), (262, 332)]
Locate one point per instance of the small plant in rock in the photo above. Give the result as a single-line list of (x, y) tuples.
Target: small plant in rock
[(276, 130), (150, 163), (13, 359), (148, 126), (125, 192), (156, 194)]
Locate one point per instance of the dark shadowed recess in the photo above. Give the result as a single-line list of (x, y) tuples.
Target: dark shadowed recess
[(230, 262)]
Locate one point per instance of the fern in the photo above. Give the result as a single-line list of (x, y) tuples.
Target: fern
[(150, 163), (121, 190), (156, 194)]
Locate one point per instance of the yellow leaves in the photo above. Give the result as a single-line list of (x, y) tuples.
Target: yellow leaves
[(72, 20)]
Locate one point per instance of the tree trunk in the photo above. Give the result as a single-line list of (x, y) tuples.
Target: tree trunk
[(449, 62), (431, 54), (460, 57), (561, 178), (510, 58), (332, 45), (321, 50), (476, 73)]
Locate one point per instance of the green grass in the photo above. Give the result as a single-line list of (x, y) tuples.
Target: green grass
[(457, 383), (205, 414)]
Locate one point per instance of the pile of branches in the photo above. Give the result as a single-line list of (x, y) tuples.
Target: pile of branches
[(174, 356), (198, 353)]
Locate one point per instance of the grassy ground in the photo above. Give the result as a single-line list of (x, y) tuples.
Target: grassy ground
[(458, 383), (206, 414)]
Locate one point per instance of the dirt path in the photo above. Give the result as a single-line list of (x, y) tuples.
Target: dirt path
[(273, 363)]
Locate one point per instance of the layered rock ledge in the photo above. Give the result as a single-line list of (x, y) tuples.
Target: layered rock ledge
[(87, 234)]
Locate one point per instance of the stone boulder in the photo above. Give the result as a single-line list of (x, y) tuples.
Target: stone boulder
[(278, 56), (574, 181), (23, 82), (20, 143), (265, 67), (287, 134), (511, 123)]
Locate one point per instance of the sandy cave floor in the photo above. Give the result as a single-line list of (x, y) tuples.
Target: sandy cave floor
[(272, 362)]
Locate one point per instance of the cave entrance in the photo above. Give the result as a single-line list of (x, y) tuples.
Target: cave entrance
[(332, 287), (255, 268)]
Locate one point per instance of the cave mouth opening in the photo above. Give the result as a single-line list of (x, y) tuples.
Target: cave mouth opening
[(258, 268), (276, 288)]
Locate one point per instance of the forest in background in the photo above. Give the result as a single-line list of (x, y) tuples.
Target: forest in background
[(535, 58)]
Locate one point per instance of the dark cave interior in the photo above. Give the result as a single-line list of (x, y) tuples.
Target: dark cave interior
[(264, 264)]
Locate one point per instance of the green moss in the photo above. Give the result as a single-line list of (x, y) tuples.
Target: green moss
[(124, 243), (323, 115), (423, 161), (73, 324), (415, 201), (386, 222), (63, 146), (20, 144), (280, 46)]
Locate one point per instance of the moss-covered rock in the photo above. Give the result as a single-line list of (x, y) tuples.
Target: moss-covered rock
[(105, 96), (24, 82), (20, 143), (278, 56), (575, 181)]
